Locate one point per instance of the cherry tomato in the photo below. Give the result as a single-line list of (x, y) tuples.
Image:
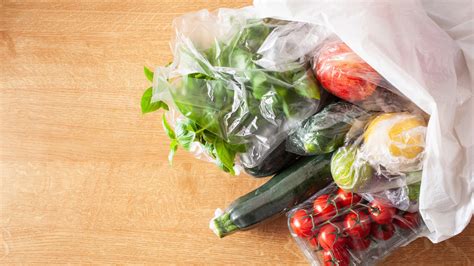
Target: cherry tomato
[(338, 257), (324, 207), (330, 237), (381, 213), (358, 244), (409, 220), (382, 231), (301, 223), (313, 242), (357, 224), (346, 198)]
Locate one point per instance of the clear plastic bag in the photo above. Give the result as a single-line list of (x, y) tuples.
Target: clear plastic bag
[(231, 105), (344, 74), (336, 227), (385, 153), (325, 131), (404, 198)]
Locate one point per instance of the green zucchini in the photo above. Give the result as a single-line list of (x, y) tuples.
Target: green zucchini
[(283, 191)]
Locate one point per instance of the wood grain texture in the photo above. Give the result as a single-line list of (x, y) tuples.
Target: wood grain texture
[(84, 176)]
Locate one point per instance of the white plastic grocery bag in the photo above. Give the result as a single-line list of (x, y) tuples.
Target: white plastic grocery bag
[(416, 46)]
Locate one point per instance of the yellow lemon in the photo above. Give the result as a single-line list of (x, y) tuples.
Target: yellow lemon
[(407, 140), (395, 141)]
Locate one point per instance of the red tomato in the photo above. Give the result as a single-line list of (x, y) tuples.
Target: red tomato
[(357, 224), (343, 73), (381, 213), (409, 220), (313, 242), (338, 257), (358, 244), (324, 207), (330, 237), (301, 223), (382, 231), (347, 198)]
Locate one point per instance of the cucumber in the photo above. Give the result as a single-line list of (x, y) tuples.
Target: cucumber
[(283, 191), (276, 161)]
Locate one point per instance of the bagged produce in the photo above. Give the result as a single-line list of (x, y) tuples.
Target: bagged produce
[(223, 103), (325, 131), (346, 75), (409, 48), (337, 227), (249, 88), (387, 153), (405, 198)]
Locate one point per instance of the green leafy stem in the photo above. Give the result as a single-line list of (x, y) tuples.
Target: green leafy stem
[(187, 132)]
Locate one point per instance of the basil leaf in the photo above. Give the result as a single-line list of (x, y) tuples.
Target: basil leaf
[(200, 76), (148, 74), (146, 104), (173, 149), (169, 131), (208, 137), (306, 86), (259, 84), (225, 155), (185, 134)]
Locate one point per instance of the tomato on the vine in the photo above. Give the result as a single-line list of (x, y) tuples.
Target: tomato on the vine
[(358, 244), (409, 220), (383, 231), (301, 223), (313, 242), (324, 207), (331, 237), (347, 198), (357, 224), (338, 257), (381, 213)]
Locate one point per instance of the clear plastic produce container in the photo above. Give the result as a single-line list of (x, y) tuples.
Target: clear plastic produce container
[(336, 227)]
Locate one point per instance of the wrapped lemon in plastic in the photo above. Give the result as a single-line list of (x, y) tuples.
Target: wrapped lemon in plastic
[(395, 141)]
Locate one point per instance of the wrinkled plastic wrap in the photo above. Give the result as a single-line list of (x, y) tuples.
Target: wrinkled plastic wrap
[(411, 45), (405, 198), (384, 153), (325, 131), (346, 75), (335, 227), (230, 104)]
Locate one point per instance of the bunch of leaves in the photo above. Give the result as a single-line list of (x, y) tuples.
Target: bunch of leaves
[(146, 103), (218, 105), (187, 132)]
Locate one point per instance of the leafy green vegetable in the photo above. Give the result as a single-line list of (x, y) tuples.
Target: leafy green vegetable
[(200, 76), (173, 148), (169, 131), (148, 106), (414, 191), (148, 74), (230, 98), (325, 131)]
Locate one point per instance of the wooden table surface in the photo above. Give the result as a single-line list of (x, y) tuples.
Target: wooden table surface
[(85, 177)]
